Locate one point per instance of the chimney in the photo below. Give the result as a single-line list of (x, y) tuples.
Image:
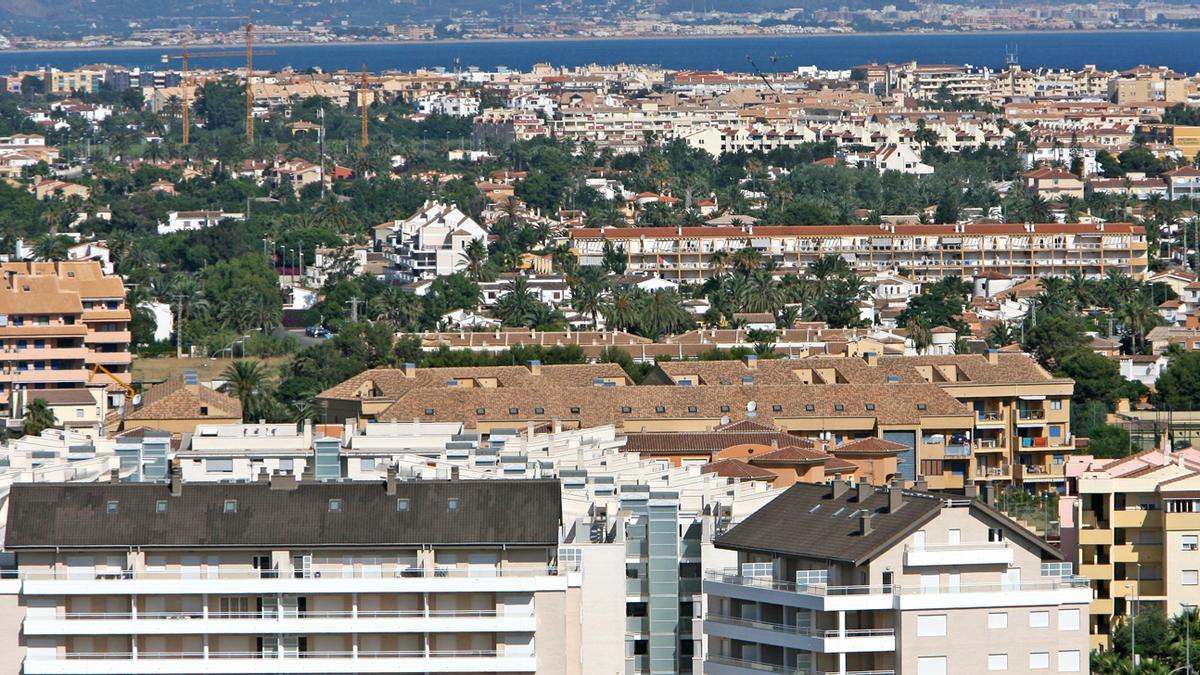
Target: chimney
[(864, 490), (864, 524), (839, 488), (308, 433), (409, 370), (993, 356), (176, 480), (263, 475), (872, 358), (114, 476), (895, 496), (921, 485), (535, 368), (751, 361), (283, 481), (971, 491), (454, 473), (390, 485)]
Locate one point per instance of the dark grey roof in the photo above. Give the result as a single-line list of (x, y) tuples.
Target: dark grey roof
[(489, 512), (806, 521)]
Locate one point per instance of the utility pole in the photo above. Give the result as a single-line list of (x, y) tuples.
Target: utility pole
[(321, 148), (353, 302)]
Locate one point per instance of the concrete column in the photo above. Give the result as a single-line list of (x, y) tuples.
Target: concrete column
[(354, 609), (205, 641), (204, 605), (842, 623)]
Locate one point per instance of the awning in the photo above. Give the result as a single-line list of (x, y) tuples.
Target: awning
[(1032, 397)]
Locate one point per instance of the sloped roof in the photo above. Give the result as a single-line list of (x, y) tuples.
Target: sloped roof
[(175, 400), (736, 468)]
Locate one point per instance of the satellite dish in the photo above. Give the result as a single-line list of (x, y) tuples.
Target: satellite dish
[(751, 406)]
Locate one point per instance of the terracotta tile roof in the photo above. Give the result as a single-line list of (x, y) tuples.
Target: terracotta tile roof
[(837, 465), (792, 455), (869, 446), (720, 438), (394, 383), (174, 400), (736, 468)]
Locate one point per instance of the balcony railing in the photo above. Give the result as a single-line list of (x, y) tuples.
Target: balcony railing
[(805, 631), (280, 614), (754, 665), (731, 576), (980, 546), (146, 656), (990, 415), (334, 572), (1032, 414)]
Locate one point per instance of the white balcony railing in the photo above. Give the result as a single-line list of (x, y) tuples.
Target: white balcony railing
[(329, 572)]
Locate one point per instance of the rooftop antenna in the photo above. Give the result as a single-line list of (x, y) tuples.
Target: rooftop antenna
[(1010, 56)]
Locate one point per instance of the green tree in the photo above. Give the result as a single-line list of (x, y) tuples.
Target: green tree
[(1056, 337), (245, 381), (38, 416), (1107, 440), (1178, 387), (1097, 378)]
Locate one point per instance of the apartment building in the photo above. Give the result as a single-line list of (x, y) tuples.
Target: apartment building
[(992, 417), (1132, 528), (58, 322), (626, 128), (181, 221), (930, 252), (890, 581), (335, 577), (429, 244)]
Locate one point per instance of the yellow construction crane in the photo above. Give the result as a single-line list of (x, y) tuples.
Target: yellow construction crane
[(363, 104), (99, 368), (249, 87), (184, 56)]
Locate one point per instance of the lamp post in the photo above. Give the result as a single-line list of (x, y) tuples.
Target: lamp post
[(1133, 622)]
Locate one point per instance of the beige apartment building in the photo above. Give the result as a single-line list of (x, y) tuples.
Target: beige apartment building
[(930, 252), (992, 417), (337, 577), (885, 581), (58, 322), (1134, 530)]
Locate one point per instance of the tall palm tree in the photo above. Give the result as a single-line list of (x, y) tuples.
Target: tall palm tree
[(396, 307), (1082, 289), (719, 261), (1001, 334), (746, 260), (621, 310), (52, 247), (664, 314), (919, 332), (244, 380), (1056, 297), (587, 294), (476, 254), (1138, 316), (517, 304), (761, 293)]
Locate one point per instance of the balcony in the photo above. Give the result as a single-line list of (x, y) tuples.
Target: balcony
[(104, 663), (257, 623), (333, 579), (1137, 553), (1031, 417), (1097, 572), (1093, 536), (731, 584), (1041, 472), (860, 640), (1003, 471), (1137, 518), (982, 553), (990, 418), (108, 337)]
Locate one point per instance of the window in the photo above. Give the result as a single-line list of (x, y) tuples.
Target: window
[(626, 409), (1068, 662), (1190, 542), (571, 558), (481, 411), (452, 504), (512, 411), (335, 506), (1068, 619), (539, 411), (1189, 577), (931, 665), (776, 408), (760, 569), (160, 506), (870, 406), (219, 465), (111, 507), (1039, 660), (691, 408), (995, 534), (660, 409), (921, 406), (203, 410), (724, 408), (230, 506), (997, 619), (1056, 404), (808, 407), (1056, 569), (287, 464), (1039, 619), (812, 577), (997, 661), (78, 413), (429, 411), (574, 410), (931, 625)]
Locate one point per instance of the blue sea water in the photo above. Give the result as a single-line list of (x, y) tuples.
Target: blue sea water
[(1106, 50)]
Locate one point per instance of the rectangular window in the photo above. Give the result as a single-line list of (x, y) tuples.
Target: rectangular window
[(1190, 542), (1039, 660), (230, 506), (1189, 577), (997, 619), (219, 465), (1039, 619), (1068, 662), (1056, 404), (812, 577), (764, 569), (931, 625), (931, 665), (1068, 619), (998, 662)]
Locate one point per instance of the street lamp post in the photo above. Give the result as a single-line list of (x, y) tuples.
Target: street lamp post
[(1133, 621)]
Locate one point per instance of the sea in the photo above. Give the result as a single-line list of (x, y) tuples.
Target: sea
[(1179, 50)]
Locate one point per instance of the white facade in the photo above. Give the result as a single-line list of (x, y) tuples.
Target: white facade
[(179, 221), (431, 243)]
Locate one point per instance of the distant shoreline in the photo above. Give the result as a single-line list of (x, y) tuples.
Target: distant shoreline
[(234, 50)]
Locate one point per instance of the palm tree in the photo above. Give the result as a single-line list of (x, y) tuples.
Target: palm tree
[(664, 314), (244, 380), (38, 416), (719, 261), (587, 294), (919, 332), (1082, 289), (746, 260), (621, 310), (1138, 316), (1001, 334), (1056, 297), (517, 304), (761, 293), (52, 247), (476, 254), (396, 307)]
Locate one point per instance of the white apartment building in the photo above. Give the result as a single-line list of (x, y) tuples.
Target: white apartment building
[(930, 252), (286, 577), (454, 105), (889, 581), (431, 243), (625, 128)]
